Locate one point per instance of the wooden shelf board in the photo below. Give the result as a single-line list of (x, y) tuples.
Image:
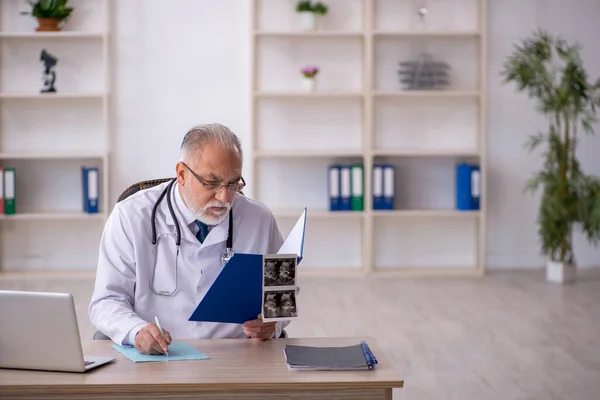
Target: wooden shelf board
[(320, 94), (426, 93), (426, 213), (50, 155), (51, 216), (52, 35), (51, 96), (309, 34), (308, 153), (425, 152), (316, 213), (46, 274), (441, 34)]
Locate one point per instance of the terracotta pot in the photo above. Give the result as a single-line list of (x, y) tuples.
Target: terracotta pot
[(47, 25)]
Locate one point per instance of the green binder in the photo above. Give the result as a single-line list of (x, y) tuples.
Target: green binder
[(357, 186), (9, 191)]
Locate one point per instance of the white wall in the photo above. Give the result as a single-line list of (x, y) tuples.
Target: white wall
[(203, 79), (199, 51)]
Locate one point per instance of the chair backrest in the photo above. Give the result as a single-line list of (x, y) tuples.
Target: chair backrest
[(136, 187)]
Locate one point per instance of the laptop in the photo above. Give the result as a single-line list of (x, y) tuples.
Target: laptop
[(39, 331)]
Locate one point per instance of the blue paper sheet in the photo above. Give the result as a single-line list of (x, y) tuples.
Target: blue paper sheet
[(178, 351)]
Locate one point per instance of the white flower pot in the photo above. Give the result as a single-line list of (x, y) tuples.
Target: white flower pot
[(309, 21), (558, 272), (309, 84)]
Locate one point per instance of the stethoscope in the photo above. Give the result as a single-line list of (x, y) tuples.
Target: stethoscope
[(225, 257)]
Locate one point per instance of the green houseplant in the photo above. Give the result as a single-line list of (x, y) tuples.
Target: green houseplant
[(49, 13), (551, 72), (308, 12)]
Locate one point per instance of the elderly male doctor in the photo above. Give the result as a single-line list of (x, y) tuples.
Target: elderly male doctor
[(126, 300)]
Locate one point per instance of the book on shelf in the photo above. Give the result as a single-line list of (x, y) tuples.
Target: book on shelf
[(342, 358), (468, 186), (346, 187)]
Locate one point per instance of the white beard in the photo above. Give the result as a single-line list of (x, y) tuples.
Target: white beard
[(211, 219)]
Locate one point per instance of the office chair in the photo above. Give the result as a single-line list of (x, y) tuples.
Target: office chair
[(136, 187)]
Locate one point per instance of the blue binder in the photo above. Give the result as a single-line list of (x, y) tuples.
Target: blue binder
[(389, 187), (345, 189), (84, 189), (334, 187), (236, 295), (91, 187), (467, 187), (378, 187)]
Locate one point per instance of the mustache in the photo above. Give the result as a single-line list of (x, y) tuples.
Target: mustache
[(217, 203)]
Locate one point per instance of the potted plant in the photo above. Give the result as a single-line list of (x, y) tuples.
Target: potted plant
[(49, 13), (551, 72), (309, 11), (310, 75)]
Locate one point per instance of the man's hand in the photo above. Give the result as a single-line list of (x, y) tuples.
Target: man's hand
[(258, 329), (149, 340)]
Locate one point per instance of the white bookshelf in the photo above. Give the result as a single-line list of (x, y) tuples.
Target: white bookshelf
[(359, 113), (48, 137)]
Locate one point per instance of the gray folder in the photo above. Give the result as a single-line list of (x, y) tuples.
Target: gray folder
[(343, 358)]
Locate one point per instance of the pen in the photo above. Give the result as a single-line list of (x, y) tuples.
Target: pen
[(162, 333)]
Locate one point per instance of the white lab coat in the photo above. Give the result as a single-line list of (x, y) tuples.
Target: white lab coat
[(122, 302)]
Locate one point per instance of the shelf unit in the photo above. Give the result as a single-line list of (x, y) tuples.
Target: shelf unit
[(48, 137), (360, 114)]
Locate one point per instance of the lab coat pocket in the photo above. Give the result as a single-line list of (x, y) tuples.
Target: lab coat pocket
[(164, 280)]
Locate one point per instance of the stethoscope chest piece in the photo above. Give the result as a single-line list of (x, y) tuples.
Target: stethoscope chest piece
[(225, 257)]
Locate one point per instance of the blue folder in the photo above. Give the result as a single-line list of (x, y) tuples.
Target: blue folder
[(334, 186), (236, 295), (91, 187), (467, 187)]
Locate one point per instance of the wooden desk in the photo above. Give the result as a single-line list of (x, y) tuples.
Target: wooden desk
[(237, 369)]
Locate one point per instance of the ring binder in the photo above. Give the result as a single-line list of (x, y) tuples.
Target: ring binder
[(369, 356), (356, 357)]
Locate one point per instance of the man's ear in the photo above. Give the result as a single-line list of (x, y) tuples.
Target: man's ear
[(180, 171)]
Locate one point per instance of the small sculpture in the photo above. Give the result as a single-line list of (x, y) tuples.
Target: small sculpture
[(49, 76), (424, 74)]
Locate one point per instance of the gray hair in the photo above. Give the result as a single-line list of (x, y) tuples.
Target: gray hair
[(200, 135)]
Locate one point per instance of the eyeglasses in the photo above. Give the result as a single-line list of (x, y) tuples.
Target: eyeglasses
[(212, 185)]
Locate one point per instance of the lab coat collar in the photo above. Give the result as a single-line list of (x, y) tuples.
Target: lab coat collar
[(184, 215), (217, 234)]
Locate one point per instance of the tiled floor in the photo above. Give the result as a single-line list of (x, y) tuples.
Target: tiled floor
[(503, 336)]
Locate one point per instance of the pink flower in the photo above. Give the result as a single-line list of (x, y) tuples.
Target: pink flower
[(310, 71)]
